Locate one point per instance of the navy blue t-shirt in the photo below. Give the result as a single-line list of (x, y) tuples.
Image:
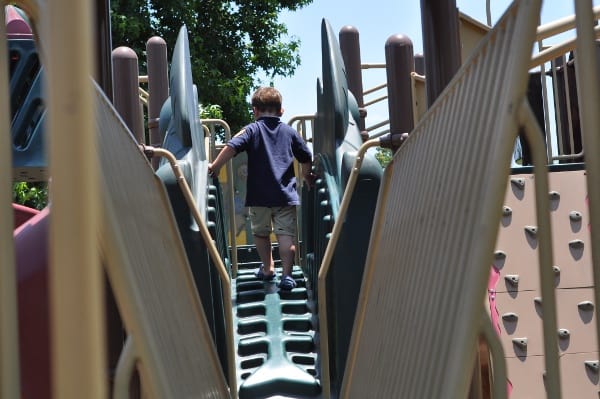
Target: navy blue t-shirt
[(271, 147)]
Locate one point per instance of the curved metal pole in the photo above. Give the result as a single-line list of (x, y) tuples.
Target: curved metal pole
[(586, 68), (9, 336), (500, 378), (125, 369), (301, 120), (214, 255), (534, 136), (231, 202)]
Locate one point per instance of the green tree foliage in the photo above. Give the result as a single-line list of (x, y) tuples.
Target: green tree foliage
[(33, 195), (231, 42), (384, 156)]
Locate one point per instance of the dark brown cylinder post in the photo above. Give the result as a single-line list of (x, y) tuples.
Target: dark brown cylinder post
[(420, 64), (126, 90), (350, 48), (158, 88), (103, 72), (441, 44), (399, 61)]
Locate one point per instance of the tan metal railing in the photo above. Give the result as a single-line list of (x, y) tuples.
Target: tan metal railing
[(550, 54), (211, 124), (299, 123), (589, 101), (215, 257), (376, 100)]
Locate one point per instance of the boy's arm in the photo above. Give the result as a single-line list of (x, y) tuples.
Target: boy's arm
[(225, 155), (307, 175)]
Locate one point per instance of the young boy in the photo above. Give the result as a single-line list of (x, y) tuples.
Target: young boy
[(271, 186)]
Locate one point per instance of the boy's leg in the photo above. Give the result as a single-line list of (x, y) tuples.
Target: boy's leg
[(260, 222), (287, 251), (284, 223), (263, 247)]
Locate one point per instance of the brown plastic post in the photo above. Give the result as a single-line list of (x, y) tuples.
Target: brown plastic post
[(420, 64), (126, 90), (350, 48), (158, 88), (399, 63), (103, 72), (441, 44)]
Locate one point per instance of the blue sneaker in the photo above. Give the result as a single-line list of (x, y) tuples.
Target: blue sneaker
[(287, 283), (260, 274)]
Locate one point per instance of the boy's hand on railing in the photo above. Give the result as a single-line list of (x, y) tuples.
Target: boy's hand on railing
[(212, 172), (309, 179)]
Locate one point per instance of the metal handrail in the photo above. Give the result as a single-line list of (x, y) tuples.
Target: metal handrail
[(561, 25), (375, 88), (372, 66), (214, 255), (557, 50), (231, 202), (125, 370), (587, 71), (144, 96), (300, 120), (498, 359), (534, 136), (376, 100)]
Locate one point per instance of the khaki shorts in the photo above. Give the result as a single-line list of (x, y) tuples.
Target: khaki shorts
[(283, 219)]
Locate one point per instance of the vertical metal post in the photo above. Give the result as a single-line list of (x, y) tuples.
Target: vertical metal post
[(350, 48), (399, 61), (9, 338), (441, 44), (589, 100), (158, 88), (103, 40), (126, 90), (75, 276)]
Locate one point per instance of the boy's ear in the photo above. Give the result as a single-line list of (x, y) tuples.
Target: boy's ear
[(280, 111)]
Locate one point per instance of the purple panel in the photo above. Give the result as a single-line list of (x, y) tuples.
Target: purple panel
[(31, 252)]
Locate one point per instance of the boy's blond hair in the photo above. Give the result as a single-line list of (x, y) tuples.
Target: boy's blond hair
[(267, 100)]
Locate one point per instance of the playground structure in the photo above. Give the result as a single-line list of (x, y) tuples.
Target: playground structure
[(394, 264)]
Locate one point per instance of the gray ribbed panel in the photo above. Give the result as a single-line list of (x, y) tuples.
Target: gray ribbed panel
[(437, 218), (149, 271)]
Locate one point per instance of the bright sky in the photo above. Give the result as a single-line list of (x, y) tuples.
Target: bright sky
[(376, 21)]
